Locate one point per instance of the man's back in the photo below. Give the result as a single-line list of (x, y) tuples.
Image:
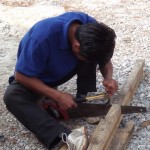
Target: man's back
[(45, 51)]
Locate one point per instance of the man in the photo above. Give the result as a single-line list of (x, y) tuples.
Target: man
[(52, 52)]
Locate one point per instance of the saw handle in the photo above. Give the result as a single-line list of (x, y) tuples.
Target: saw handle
[(92, 98), (82, 100), (62, 112)]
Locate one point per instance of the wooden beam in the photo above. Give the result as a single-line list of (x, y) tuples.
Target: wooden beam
[(63, 147), (145, 123), (122, 137), (105, 129), (128, 89)]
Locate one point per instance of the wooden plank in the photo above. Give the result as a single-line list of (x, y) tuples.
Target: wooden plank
[(105, 129), (63, 147), (128, 89), (122, 137), (145, 123)]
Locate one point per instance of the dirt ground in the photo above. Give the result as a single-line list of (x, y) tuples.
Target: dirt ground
[(129, 18)]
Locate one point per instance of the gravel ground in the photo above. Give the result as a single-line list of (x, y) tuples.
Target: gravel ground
[(130, 19)]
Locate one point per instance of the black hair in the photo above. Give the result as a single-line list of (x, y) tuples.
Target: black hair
[(97, 42)]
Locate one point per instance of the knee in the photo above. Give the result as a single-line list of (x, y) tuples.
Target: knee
[(8, 97)]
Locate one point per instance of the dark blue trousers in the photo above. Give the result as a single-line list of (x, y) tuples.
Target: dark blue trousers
[(23, 104)]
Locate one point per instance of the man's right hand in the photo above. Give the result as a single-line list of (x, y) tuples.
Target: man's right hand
[(66, 101)]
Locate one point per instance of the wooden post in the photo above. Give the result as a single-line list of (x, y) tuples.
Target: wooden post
[(122, 137), (128, 89), (105, 130)]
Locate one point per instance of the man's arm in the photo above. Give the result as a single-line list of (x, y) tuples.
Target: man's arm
[(65, 100), (109, 83)]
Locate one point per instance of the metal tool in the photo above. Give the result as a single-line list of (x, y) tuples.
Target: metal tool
[(85, 109), (55, 111), (93, 110)]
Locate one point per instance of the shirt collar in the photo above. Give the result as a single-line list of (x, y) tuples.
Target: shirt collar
[(64, 44)]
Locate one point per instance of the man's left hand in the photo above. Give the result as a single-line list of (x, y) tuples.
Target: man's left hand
[(111, 86)]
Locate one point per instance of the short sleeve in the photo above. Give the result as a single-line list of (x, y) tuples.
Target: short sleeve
[(33, 58)]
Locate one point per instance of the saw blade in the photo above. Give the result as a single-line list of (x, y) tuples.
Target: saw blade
[(93, 110)]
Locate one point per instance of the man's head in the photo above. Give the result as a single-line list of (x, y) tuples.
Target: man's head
[(95, 41)]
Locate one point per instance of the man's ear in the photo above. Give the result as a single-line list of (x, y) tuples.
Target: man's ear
[(77, 44)]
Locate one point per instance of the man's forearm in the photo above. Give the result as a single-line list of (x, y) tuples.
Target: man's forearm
[(37, 86), (107, 71)]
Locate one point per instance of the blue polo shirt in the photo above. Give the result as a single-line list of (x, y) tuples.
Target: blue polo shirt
[(45, 52)]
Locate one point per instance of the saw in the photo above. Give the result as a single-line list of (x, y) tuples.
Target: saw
[(93, 110), (86, 109)]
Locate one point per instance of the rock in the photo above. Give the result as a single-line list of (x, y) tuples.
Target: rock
[(27, 147)]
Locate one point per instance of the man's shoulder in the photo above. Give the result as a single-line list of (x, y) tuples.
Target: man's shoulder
[(76, 15), (67, 16), (58, 21), (73, 14)]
